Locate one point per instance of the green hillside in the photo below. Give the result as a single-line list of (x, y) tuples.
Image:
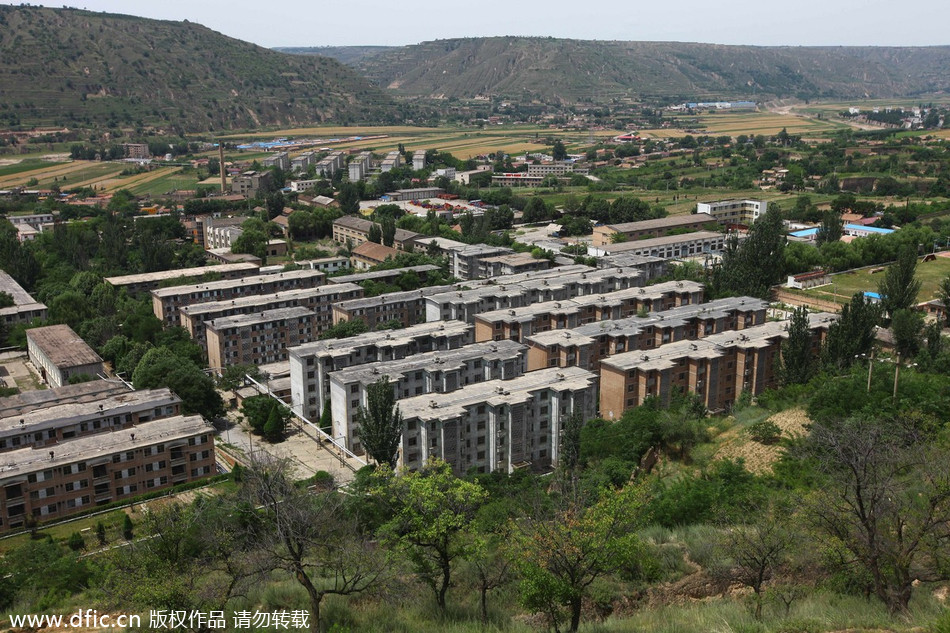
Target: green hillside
[(72, 67), (575, 70)]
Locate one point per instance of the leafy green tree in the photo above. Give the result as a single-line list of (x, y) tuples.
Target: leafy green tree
[(852, 334), (127, 528), (908, 328), (831, 228), (943, 293), (388, 231), (751, 267), (536, 210), (559, 152), (559, 557), (432, 513), (266, 416), (160, 367), (798, 362), (252, 242), (899, 286), (375, 234), (276, 424), (380, 423)]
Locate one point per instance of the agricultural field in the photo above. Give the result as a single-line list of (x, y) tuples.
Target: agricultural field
[(750, 124), (845, 284)]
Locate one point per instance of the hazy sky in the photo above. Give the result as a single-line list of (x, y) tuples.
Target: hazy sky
[(391, 22)]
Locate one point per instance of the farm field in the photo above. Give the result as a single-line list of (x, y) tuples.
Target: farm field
[(845, 284), (749, 123)]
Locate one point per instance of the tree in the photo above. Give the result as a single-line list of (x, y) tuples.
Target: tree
[(885, 501), (266, 416), (908, 328), (375, 234), (754, 265), (559, 557), (388, 231), (101, 533), (380, 423), (852, 334), (311, 536), (160, 367), (252, 242), (943, 293), (899, 286), (536, 210), (127, 527), (559, 152), (797, 359), (432, 511), (831, 228)]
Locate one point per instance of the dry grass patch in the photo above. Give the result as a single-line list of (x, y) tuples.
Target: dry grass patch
[(759, 458)]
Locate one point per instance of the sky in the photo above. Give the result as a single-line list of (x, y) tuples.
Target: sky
[(394, 23)]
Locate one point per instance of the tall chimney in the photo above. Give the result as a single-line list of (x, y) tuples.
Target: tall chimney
[(224, 178)]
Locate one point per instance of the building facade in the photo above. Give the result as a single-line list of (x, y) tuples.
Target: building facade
[(59, 354)]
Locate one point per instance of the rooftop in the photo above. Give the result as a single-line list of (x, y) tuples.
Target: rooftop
[(257, 318), (388, 338), (223, 284), (382, 274), (258, 300), (657, 242), (441, 406), (127, 280), (9, 285), (62, 346), (374, 251), (91, 391), (100, 447), (670, 222), (392, 297)]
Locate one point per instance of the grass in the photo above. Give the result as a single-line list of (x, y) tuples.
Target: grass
[(845, 284), (25, 166)]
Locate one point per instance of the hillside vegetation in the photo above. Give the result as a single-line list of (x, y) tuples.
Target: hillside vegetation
[(576, 70), (71, 67)]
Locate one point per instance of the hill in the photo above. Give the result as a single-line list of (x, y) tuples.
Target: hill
[(577, 71), (343, 54), (72, 67)]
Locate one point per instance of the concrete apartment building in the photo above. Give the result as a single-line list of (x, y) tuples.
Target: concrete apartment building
[(318, 300), (311, 364), (63, 419), (514, 291), (518, 323), (281, 160), (650, 267), (92, 391), (443, 371), (419, 159), (466, 261), (359, 166), (586, 345), (513, 264), (500, 425), (669, 247), (56, 481), (356, 230), (326, 264), (146, 282), (222, 232), (59, 354), (24, 309), (166, 302), (251, 184), (258, 338), (331, 164), (734, 212), (369, 254), (550, 169), (718, 367), (407, 307), (605, 233), (392, 161), (385, 276)]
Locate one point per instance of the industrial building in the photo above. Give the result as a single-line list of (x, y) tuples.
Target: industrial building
[(24, 309), (59, 354), (629, 231), (668, 247)]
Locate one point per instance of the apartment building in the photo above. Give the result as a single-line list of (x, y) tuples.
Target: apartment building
[(359, 166), (64, 419), (318, 300), (369, 254), (166, 302), (251, 184), (311, 364), (650, 267), (628, 231), (356, 230), (280, 160), (257, 338), (668, 247), (55, 481), (302, 162), (500, 425), (732, 213), (419, 159), (718, 368), (146, 282), (443, 371), (586, 345), (550, 169), (392, 161), (418, 193), (408, 307), (385, 276), (60, 354), (24, 309), (518, 323), (331, 164), (466, 262), (92, 391), (512, 264)]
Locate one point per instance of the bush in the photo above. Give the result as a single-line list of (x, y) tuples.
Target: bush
[(76, 541), (765, 432)]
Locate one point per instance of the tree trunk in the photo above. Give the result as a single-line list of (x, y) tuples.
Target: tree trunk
[(484, 604), (444, 587), (758, 604), (575, 614)]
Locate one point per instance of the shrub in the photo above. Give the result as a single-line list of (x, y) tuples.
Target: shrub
[(765, 432)]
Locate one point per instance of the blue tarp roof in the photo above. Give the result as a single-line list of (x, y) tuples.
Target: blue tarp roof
[(872, 229), (804, 232)]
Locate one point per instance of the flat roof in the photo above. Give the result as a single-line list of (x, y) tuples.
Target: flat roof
[(10, 286), (256, 318), (513, 259), (91, 391), (101, 446), (440, 406), (441, 360), (388, 338), (127, 280), (666, 240), (63, 346), (393, 297), (57, 415), (221, 284), (871, 229), (381, 274), (256, 300), (661, 223)]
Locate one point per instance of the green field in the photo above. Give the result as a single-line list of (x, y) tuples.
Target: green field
[(845, 284), (26, 166)]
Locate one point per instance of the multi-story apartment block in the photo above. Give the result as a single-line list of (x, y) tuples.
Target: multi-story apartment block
[(717, 368), (65, 419), (281, 160), (369, 255), (466, 262), (166, 302), (356, 230), (92, 391), (586, 345), (442, 371), (419, 159), (146, 282), (318, 300), (650, 267), (60, 354), (668, 247), (734, 212), (512, 264), (408, 307), (302, 162), (392, 161), (518, 323), (607, 233), (332, 163), (385, 276), (59, 480), (311, 364), (550, 169), (500, 425), (359, 166), (251, 184), (258, 338), (24, 309)]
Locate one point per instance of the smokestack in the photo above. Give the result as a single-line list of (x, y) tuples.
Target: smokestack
[(224, 178)]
